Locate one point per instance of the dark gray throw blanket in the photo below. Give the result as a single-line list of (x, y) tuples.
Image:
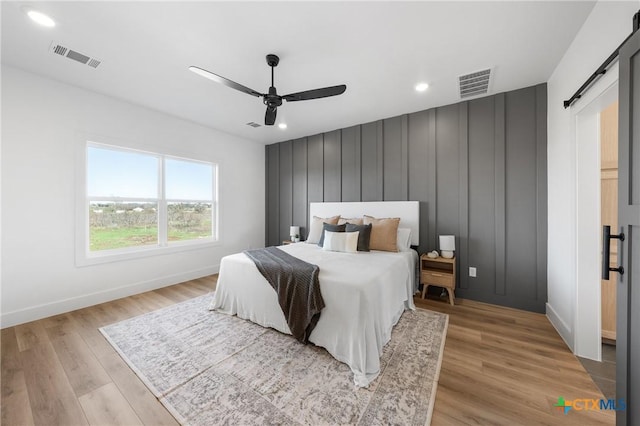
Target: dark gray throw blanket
[(296, 283)]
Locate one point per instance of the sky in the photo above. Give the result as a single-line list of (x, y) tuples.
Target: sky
[(114, 173)]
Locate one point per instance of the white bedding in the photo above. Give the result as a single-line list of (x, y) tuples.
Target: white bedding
[(364, 293)]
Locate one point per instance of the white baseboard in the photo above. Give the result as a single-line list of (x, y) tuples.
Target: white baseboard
[(32, 313), (561, 327)]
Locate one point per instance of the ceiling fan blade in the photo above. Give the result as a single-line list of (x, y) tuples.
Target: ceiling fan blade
[(316, 93), (218, 79), (270, 116)]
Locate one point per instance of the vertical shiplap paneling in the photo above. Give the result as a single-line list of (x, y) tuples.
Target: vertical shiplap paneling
[(447, 180), (395, 158), (478, 169), (404, 166), (462, 244), (300, 202), (371, 153), (541, 188), (433, 181), (500, 191), (481, 209), (315, 170), (418, 165), (332, 166), (380, 166), (521, 173), (286, 189), (351, 164), (273, 189)]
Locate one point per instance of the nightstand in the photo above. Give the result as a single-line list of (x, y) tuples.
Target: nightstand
[(440, 272)]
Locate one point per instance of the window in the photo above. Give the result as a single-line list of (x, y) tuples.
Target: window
[(139, 200)]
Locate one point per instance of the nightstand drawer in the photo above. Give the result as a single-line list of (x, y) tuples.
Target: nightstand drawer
[(437, 278)]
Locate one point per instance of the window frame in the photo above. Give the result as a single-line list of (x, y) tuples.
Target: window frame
[(85, 257)]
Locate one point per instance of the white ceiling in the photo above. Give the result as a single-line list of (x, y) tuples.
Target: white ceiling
[(380, 50)]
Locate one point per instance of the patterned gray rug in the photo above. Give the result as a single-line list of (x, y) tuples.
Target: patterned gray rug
[(209, 368)]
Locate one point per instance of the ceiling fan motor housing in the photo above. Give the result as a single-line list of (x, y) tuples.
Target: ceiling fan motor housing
[(272, 98), (272, 60)]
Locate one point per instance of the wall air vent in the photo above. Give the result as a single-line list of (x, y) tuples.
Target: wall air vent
[(476, 83), (253, 124), (58, 49)]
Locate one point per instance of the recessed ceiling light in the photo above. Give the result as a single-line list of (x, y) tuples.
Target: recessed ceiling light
[(421, 87), (41, 18), (282, 125)]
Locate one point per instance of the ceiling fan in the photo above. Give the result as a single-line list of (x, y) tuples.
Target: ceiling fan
[(272, 100)]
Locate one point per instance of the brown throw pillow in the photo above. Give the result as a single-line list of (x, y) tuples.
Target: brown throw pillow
[(384, 233), (315, 227)]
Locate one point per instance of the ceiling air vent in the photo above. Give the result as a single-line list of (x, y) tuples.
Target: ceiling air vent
[(476, 83), (83, 59), (253, 124), (58, 49)]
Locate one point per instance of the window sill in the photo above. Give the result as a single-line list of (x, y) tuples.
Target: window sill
[(109, 256)]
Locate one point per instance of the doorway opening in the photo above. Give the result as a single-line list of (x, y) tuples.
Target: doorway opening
[(603, 372), (597, 201), (589, 205), (609, 214)]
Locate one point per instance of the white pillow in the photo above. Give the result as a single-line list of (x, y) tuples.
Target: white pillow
[(346, 242), (404, 238), (315, 228)]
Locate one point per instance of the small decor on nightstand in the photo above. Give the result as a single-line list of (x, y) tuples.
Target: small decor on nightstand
[(440, 272), (432, 254), (294, 233)]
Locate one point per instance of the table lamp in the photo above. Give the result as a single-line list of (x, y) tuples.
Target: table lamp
[(447, 246)]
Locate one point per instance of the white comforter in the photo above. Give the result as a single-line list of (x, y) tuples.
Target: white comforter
[(364, 293)]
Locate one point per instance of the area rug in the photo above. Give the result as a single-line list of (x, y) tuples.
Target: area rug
[(210, 368)]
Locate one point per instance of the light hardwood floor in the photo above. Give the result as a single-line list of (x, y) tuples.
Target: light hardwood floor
[(500, 366)]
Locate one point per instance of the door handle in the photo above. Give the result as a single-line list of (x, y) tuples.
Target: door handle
[(606, 252)]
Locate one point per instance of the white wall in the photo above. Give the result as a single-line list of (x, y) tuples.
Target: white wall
[(43, 121), (606, 27)]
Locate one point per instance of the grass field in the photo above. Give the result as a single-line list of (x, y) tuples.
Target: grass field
[(120, 225), (115, 238)]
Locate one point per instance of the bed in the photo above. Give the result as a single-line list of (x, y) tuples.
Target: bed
[(365, 293)]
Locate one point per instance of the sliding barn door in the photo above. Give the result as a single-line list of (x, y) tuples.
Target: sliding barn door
[(628, 323)]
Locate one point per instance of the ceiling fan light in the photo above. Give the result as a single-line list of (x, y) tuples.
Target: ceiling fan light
[(41, 18), (421, 87)]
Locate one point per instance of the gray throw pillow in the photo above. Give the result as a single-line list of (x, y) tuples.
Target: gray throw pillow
[(364, 236), (331, 228)]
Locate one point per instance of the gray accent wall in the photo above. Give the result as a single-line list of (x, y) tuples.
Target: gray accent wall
[(478, 169)]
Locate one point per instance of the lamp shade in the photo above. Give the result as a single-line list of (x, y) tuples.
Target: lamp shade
[(294, 230), (447, 242)]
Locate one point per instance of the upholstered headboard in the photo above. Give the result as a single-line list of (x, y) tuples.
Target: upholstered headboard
[(407, 211)]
